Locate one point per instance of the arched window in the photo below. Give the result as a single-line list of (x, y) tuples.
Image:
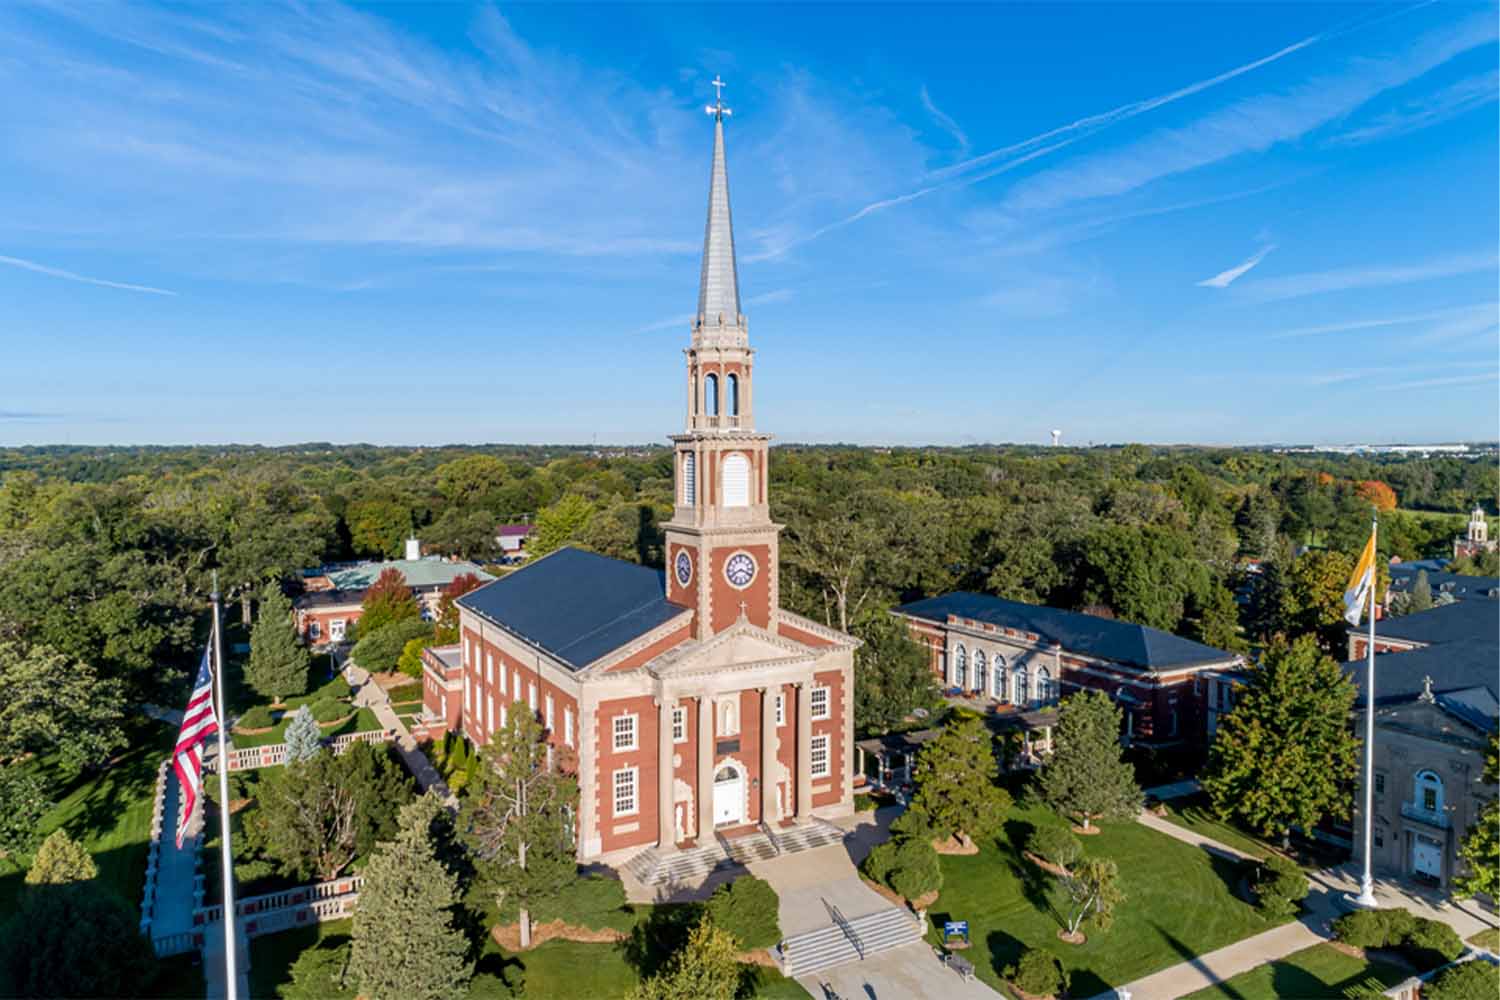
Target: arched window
[(736, 480), (1023, 690), (980, 673), (689, 479), (1043, 686), (711, 395), (1429, 792), (732, 394), (960, 666), (997, 677)]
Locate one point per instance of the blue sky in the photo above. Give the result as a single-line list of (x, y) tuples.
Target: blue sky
[(430, 223)]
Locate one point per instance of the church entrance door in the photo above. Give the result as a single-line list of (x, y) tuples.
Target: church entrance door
[(1427, 858), (729, 797)]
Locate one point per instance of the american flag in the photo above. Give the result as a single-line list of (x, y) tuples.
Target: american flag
[(199, 722)]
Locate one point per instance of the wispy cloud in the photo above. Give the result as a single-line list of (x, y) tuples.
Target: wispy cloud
[(948, 124), (57, 272), (1431, 109), (1226, 278), (1449, 380), (1344, 279), (1487, 311)]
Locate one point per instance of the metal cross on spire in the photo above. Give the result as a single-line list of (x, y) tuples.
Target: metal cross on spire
[(717, 108)]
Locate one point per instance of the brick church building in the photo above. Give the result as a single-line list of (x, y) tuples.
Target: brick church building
[(697, 707)]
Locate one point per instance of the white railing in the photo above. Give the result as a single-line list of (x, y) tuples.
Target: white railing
[(153, 851), (275, 754), (278, 911)]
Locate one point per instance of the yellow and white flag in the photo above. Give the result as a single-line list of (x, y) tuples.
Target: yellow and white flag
[(1357, 594)]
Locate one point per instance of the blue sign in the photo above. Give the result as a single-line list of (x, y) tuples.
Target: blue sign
[(952, 928)]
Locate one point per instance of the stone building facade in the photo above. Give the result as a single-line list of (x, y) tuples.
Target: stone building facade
[(690, 702)]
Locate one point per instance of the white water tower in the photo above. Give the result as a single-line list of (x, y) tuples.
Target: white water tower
[(1056, 438)]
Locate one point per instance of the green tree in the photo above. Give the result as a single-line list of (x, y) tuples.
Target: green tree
[(378, 527), (1145, 575), (313, 818), (467, 533), (956, 777), (61, 859), (278, 663), (1085, 775), (48, 702), (405, 941), (474, 481), (1215, 621), (74, 940), (1284, 755), (518, 818), (895, 678), (380, 650), (447, 622), (1420, 598), (304, 737), (1093, 890), (561, 524), (388, 600), (747, 909), (410, 660), (705, 968), (266, 533), (1471, 980), (1480, 849), (23, 803), (319, 973), (1312, 599)]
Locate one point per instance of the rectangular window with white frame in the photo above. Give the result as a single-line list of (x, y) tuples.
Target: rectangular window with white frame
[(818, 757), (625, 789), (781, 710), (820, 703), (502, 675), (489, 667), (679, 725), (549, 713), (568, 726), (625, 733), (531, 695), (515, 687)]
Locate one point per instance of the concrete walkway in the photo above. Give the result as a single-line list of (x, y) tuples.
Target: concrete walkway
[(899, 974), (176, 867), (369, 694), (1176, 790), (1324, 902)]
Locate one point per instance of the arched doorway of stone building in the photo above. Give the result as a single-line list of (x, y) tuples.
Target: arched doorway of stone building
[(729, 796)]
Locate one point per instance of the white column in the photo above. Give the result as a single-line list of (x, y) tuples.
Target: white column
[(665, 832), (768, 754), (705, 769), (804, 750)]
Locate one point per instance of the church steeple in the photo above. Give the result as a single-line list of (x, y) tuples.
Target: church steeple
[(719, 283), (721, 542)]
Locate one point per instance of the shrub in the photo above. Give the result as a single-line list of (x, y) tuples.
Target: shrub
[(1362, 928), (61, 859), (746, 908), (327, 710), (1432, 943), (258, 717), (593, 901), (1280, 885), (1399, 924), (912, 823), (380, 649), (1038, 972), (865, 802), (1055, 844), (915, 871), (1476, 980), (877, 865)]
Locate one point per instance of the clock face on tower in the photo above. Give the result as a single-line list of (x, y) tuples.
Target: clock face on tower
[(684, 568), (739, 570)]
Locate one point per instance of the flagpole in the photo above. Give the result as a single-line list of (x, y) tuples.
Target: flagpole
[(231, 978), (1366, 897)]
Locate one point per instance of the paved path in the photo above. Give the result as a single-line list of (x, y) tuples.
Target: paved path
[(176, 868), (903, 973), (1176, 790), (369, 694), (1323, 904)]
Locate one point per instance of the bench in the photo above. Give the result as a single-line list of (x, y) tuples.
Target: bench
[(960, 965)]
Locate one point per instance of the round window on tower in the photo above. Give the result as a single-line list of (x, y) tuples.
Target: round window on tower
[(739, 570), (683, 566)]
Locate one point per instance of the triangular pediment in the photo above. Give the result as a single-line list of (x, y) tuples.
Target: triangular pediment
[(740, 645)]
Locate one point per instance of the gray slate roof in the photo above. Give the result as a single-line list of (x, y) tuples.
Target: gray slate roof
[(1105, 638), (719, 284), (1473, 619), (576, 605), (1463, 588), (1454, 667)]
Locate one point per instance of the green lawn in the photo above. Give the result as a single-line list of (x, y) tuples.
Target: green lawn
[(364, 721), (271, 956), (1179, 903), (108, 812), (1319, 971), (411, 691), (1194, 813), (1488, 939)]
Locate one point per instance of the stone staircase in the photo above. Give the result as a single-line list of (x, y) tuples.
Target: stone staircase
[(847, 940), (656, 867)]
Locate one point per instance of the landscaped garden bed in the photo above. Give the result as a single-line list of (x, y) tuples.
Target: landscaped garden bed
[(1320, 971)]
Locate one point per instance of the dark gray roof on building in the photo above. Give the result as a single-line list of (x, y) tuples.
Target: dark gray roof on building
[(1463, 588), (1463, 620), (1453, 666), (576, 605), (1104, 638), (328, 598)]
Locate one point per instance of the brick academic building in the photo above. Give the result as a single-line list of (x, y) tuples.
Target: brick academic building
[(695, 704)]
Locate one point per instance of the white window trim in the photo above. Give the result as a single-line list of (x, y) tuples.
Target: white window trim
[(515, 686), (635, 733), (679, 725), (568, 726), (531, 695), (549, 713), (812, 757), (635, 791), (489, 667), (812, 701)]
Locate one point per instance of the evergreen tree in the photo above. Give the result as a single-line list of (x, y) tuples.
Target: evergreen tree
[(1085, 776), (1480, 849), (956, 778), (1216, 620), (517, 818), (405, 942), (705, 968), (304, 738), (61, 859), (1421, 593), (278, 662), (1284, 755)]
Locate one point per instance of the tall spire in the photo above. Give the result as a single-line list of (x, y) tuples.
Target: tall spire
[(719, 285)]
